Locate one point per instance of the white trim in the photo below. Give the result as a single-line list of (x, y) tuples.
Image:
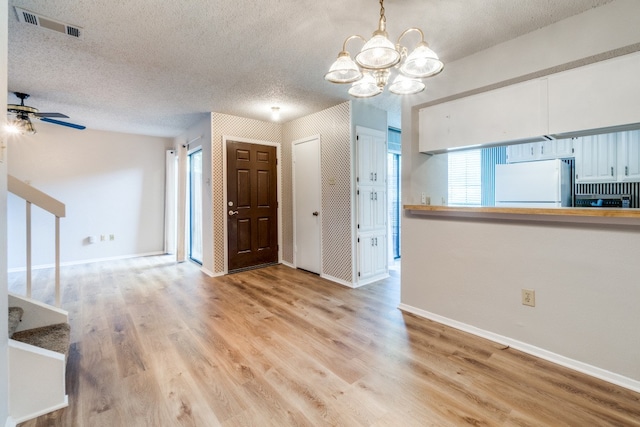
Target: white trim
[(287, 264), (44, 411), (567, 362), (372, 279), (86, 261), (224, 206), (210, 273), (10, 422), (293, 193), (339, 281)]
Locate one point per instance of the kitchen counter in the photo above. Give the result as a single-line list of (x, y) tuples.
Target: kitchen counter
[(598, 215)]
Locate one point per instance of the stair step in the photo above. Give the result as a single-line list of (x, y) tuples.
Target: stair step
[(53, 337), (15, 316)]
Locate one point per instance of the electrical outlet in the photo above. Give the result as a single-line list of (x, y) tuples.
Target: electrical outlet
[(424, 199), (102, 238), (112, 237), (529, 297)]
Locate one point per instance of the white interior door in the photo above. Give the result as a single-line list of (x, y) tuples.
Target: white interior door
[(306, 195)]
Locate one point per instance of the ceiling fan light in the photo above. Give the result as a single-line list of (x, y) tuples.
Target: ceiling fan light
[(378, 53), (406, 86), (365, 87), (422, 62), (21, 125), (343, 70)]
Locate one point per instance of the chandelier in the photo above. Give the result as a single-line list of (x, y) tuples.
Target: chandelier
[(370, 72)]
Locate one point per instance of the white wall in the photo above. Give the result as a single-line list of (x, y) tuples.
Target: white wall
[(200, 134), (4, 362), (471, 270), (111, 183)]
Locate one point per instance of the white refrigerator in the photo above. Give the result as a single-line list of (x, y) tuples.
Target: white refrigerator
[(541, 184)]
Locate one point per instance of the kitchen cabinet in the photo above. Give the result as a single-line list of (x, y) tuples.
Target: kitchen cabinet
[(629, 156), (371, 190), (507, 114), (372, 212), (599, 95), (543, 150), (596, 159), (372, 264)]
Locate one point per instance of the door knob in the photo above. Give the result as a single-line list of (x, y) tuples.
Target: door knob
[(316, 213), (232, 213)]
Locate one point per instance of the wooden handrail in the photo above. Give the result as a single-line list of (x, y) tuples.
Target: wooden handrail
[(34, 196)]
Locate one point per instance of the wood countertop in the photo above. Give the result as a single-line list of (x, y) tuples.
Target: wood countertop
[(529, 213)]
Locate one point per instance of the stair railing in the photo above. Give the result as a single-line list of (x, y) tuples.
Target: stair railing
[(34, 196)]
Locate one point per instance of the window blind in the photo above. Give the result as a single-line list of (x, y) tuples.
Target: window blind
[(465, 181)]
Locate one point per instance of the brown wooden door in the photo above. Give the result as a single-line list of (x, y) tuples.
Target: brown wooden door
[(252, 205)]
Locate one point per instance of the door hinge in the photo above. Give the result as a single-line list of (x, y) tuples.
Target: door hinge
[(358, 229), (357, 139), (358, 240), (358, 192), (358, 274)]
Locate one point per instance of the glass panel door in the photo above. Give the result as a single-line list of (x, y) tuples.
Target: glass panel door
[(195, 206)]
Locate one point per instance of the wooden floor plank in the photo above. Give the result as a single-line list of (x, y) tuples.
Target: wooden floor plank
[(155, 343)]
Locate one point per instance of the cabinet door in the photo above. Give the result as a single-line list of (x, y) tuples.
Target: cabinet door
[(596, 158), (523, 152), (365, 164), (379, 254), (379, 208), (372, 157), (366, 248), (365, 208), (629, 156), (598, 95), (510, 113), (562, 148)]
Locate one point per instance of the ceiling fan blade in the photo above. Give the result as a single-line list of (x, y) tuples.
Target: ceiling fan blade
[(58, 122), (58, 115)]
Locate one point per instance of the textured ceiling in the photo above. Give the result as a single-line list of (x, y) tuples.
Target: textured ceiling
[(154, 68)]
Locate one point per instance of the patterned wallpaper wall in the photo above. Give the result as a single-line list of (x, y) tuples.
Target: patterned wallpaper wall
[(334, 127), (226, 125)]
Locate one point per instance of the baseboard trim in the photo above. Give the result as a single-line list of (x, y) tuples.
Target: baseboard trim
[(372, 280), (338, 281), (287, 264), (10, 422), (576, 365), (84, 261)]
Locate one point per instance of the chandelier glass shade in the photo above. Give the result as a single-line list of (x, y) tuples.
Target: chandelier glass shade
[(370, 72)]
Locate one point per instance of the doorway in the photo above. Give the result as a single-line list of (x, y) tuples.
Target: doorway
[(307, 204), (194, 235), (252, 205)]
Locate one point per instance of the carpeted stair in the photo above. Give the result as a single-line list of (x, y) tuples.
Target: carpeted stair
[(15, 316), (52, 337)]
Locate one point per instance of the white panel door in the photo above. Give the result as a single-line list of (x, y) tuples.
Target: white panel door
[(307, 202)]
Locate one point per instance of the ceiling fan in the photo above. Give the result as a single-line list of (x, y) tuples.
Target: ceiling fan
[(23, 113)]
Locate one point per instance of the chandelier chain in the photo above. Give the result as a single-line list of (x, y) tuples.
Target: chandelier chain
[(382, 17)]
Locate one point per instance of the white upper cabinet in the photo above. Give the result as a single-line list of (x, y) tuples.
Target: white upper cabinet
[(595, 96), (544, 150), (596, 159), (505, 114), (629, 156), (600, 95)]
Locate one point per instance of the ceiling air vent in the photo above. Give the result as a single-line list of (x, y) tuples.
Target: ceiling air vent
[(27, 17)]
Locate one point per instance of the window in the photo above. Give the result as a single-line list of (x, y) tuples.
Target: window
[(393, 187), (465, 181)]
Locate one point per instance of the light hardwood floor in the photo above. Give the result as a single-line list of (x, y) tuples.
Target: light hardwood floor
[(156, 343)]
